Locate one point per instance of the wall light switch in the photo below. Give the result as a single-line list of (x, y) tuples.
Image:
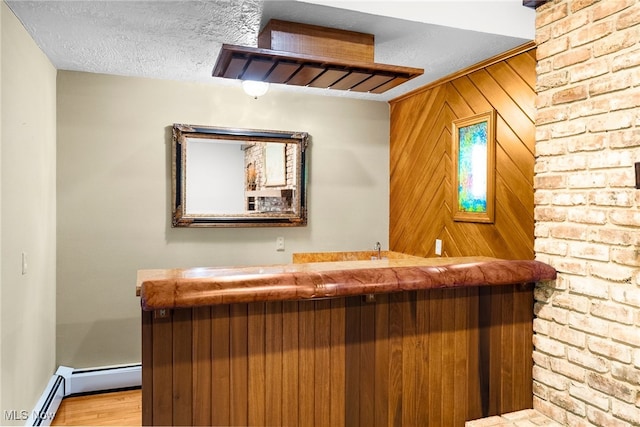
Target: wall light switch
[(280, 244), (24, 263), (438, 247)]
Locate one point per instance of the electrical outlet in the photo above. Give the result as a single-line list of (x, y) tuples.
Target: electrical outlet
[(438, 247), (280, 244)]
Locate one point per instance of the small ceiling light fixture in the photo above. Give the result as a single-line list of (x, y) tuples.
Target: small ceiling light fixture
[(255, 88)]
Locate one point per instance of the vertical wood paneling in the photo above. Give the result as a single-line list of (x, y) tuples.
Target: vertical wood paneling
[(290, 362), (507, 350), (273, 363), (382, 361), (484, 350), (448, 357), (238, 331), (182, 368), (473, 325), (322, 344), (436, 374), (147, 374), (422, 356), (409, 358), (202, 360), (256, 362), (523, 344), (162, 371), (337, 374), (367, 364), (421, 163), (221, 365), (395, 351), (409, 409), (495, 349), (352, 362), (306, 366), (463, 362)]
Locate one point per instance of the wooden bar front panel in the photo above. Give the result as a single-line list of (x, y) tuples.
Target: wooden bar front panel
[(428, 358)]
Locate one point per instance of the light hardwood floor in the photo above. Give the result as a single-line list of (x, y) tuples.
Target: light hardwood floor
[(121, 408)]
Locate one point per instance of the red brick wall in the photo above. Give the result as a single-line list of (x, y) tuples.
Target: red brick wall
[(587, 330)]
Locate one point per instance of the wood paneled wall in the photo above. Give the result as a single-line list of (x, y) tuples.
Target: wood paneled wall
[(422, 358), (421, 163)]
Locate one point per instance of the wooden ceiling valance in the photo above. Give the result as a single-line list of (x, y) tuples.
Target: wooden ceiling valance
[(305, 62)]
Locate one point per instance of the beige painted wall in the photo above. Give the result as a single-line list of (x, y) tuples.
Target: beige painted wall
[(28, 214), (114, 188), (2, 8)]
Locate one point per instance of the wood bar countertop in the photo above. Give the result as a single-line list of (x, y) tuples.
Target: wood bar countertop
[(194, 287)]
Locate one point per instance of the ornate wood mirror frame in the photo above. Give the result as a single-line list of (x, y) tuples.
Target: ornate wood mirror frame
[(226, 177)]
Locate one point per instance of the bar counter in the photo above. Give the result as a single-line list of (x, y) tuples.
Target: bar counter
[(351, 341), (197, 287)]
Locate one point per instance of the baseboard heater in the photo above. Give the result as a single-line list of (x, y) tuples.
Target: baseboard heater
[(68, 381)]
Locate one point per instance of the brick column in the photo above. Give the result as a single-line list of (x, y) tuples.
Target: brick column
[(587, 330)]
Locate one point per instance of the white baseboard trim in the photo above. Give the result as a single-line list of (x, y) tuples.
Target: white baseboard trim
[(103, 378), (48, 404), (67, 381)]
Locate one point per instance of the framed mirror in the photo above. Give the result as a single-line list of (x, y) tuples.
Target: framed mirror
[(225, 177)]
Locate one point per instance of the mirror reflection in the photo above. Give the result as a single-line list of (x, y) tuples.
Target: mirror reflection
[(238, 177)]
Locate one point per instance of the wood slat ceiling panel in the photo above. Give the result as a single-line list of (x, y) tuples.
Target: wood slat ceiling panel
[(397, 81), (328, 78), (372, 83), (305, 75), (232, 60), (282, 72), (235, 68), (348, 82), (257, 69), (421, 190)]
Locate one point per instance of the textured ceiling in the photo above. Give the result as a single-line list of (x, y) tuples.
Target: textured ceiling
[(180, 40)]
